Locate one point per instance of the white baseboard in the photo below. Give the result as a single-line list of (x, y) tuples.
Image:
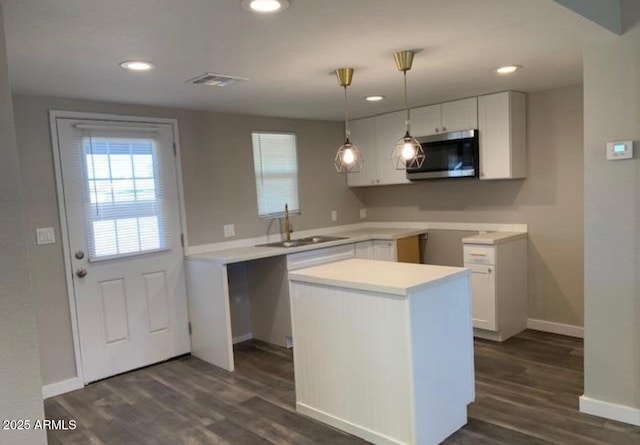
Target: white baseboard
[(55, 389), (613, 411), (555, 328), (336, 422), (243, 337)]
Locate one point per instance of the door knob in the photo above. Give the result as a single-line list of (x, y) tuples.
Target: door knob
[(79, 255), (81, 273)]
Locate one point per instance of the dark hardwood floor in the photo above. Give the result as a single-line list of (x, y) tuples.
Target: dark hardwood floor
[(527, 393)]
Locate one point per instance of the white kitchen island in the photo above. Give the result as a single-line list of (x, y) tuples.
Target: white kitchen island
[(384, 350)]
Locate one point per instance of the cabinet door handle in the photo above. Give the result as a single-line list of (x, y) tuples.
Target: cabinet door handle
[(489, 270), (478, 254), (437, 130), (444, 128)]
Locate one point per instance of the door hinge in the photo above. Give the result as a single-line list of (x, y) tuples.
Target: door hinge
[(175, 150), (189, 324), (182, 239)]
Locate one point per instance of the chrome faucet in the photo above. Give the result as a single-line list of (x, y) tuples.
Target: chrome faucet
[(287, 223)]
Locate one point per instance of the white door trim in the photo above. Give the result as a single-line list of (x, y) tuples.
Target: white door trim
[(55, 145)]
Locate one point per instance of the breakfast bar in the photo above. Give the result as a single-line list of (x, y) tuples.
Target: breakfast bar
[(383, 350)]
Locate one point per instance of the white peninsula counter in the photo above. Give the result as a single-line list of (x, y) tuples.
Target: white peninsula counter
[(384, 350)]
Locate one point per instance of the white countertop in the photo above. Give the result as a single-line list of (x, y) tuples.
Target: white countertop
[(493, 237), (240, 254), (377, 276)]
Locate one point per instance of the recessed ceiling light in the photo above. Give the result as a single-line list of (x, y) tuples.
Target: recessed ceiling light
[(265, 6), (374, 98), (136, 65), (508, 69)]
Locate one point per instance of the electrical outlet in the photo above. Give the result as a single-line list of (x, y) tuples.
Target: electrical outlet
[(363, 213), (229, 230), (45, 236), (334, 215)]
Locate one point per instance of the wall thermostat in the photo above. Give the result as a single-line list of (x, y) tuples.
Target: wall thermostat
[(619, 150)]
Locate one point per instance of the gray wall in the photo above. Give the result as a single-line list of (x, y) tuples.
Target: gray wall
[(20, 384), (612, 215), (550, 201), (219, 189)]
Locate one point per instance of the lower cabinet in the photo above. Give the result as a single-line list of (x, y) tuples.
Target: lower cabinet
[(384, 250), (404, 250), (498, 288), (317, 257), (483, 296)]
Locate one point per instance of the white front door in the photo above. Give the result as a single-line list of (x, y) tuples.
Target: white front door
[(123, 219)]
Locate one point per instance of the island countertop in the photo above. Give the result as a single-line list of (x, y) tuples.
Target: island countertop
[(377, 276)]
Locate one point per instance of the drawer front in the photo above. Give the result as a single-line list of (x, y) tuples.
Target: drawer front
[(478, 254), (320, 256)]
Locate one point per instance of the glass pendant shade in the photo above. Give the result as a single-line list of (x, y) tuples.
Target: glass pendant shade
[(348, 158), (408, 153)]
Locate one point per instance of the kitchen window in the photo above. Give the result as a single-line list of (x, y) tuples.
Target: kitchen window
[(275, 162)]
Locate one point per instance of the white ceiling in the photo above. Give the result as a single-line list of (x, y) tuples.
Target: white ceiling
[(71, 48)]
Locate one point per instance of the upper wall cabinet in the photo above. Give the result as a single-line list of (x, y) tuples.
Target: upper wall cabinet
[(363, 134), (502, 124), (460, 115), (389, 129), (500, 119), (456, 115), (376, 138)]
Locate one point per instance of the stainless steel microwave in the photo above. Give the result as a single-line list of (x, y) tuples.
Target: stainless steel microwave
[(448, 155)]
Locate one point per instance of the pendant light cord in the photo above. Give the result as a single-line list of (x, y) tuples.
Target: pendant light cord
[(346, 114), (406, 103)]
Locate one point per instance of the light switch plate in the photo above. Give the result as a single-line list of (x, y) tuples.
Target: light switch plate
[(363, 213), (229, 230), (334, 215), (45, 235)]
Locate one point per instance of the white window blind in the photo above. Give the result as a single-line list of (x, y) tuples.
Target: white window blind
[(276, 169), (124, 199)]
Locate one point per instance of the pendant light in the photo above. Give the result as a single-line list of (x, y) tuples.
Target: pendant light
[(408, 152), (348, 158)]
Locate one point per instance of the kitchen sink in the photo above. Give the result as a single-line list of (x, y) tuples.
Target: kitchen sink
[(303, 241), (320, 239), (292, 243)]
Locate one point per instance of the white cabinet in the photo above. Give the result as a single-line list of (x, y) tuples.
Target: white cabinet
[(456, 115), (426, 121), (502, 120), (363, 134), (384, 250), (316, 257), (498, 287), (405, 250), (376, 138), (379, 250), (389, 129), (364, 250), (483, 296), (460, 115)]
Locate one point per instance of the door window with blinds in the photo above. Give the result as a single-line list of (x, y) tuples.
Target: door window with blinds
[(123, 197), (275, 163)]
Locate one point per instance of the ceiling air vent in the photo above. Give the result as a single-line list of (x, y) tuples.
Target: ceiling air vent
[(215, 80)]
